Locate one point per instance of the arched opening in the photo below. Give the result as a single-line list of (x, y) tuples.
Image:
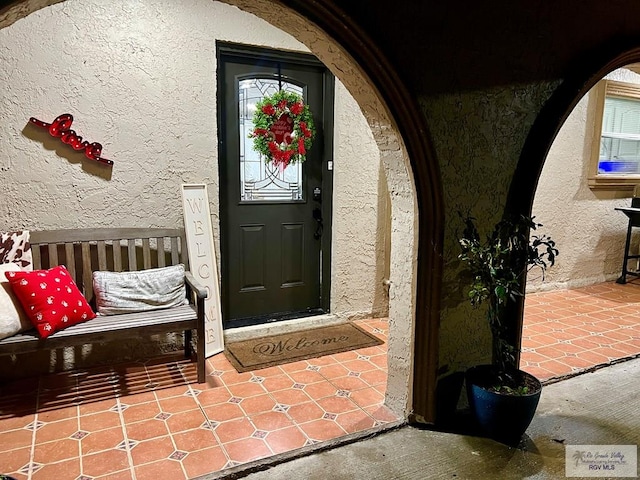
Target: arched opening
[(577, 323), (397, 127), (412, 178)]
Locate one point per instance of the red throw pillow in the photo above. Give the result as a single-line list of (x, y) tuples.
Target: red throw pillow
[(50, 299)]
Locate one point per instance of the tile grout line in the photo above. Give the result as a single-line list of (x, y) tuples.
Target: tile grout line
[(315, 401), (156, 400), (358, 407), (123, 425), (251, 421), (204, 416), (32, 454), (204, 413), (80, 453), (604, 312), (286, 412), (121, 401)]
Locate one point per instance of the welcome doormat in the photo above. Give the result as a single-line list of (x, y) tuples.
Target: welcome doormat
[(263, 352)]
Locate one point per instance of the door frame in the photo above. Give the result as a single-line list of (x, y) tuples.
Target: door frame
[(226, 51)]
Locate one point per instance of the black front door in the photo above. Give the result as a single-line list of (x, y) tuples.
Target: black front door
[(275, 223)]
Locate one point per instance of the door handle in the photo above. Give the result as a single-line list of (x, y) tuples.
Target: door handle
[(317, 216)]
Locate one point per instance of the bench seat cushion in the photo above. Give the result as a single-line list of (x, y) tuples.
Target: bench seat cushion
[(139, 291)]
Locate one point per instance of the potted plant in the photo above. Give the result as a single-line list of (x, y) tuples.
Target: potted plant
[(503, 398)]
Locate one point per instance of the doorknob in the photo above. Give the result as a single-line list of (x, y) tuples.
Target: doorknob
[(317, 216)]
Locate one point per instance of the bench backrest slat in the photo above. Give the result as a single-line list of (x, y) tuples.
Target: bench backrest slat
[(87, 271), (161, 258), (53, 254), (84, 251), (71, 264), (146, 253), (131, 249), (35, 254), (175, 254), (117, 257), (102, 255)]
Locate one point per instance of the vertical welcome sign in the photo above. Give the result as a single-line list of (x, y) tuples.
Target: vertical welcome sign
[(202, 260)]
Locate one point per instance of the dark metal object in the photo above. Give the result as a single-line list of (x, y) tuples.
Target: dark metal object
[(317, 216), (634, 221)]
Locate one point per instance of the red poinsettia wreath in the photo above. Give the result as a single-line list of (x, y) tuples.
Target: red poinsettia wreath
[(283, 129)]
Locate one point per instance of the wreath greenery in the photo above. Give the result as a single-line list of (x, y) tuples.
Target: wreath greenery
[(271, 113)]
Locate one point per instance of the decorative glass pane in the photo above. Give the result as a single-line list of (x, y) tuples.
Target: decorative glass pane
[(260, 181)]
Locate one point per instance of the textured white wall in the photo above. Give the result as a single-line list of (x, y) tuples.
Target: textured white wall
[(590, 234), (359, 244), (139, 78), (401, 229)]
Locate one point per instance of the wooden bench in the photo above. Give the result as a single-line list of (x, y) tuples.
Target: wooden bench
[(116, 249)]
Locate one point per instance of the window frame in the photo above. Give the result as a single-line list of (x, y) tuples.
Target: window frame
[(603, 89)]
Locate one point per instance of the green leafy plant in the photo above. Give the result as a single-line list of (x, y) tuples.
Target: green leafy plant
[(498, 267)]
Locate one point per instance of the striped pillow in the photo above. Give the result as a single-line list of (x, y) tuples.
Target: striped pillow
[(127, 292)]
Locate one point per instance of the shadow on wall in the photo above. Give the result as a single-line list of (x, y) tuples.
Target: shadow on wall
[(65, 151), (610, 251), (380, 307), (604, 257)]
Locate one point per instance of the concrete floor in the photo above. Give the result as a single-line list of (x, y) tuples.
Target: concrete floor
[(598, 408)]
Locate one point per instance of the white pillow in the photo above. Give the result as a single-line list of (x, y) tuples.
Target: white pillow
[(126, 292), (12, 317)]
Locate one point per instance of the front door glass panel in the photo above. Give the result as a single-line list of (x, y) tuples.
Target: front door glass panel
[(261, 181)]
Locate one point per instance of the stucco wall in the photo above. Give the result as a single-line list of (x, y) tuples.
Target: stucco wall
[(140, 77), (478, 159), (360, 215), (590, 234)]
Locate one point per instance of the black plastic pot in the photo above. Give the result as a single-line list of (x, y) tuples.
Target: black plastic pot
[(502, 417)]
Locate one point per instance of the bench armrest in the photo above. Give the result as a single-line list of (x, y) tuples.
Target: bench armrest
[(196, 287)]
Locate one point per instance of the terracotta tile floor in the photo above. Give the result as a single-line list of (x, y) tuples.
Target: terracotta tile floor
[(569, 331), (153, 421)]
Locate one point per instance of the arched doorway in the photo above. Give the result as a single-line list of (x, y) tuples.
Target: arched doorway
[(539, 143), (412, 174), (578, 317), (394, 120)]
